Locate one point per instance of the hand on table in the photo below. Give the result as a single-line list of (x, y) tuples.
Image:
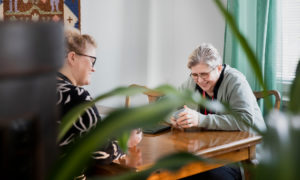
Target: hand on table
[(186, 119), (133, 158), (135, 138)]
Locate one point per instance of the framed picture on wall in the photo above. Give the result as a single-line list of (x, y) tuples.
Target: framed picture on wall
[(67, 11)]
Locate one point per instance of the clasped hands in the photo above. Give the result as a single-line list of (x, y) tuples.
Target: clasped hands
[(186, 119)]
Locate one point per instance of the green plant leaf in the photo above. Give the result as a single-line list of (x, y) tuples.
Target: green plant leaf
[(113, 125), (252, 59), (280, 149), (294, 104), (122, 141), (72, 116)]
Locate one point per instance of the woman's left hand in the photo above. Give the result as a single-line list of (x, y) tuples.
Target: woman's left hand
[(188, 118)]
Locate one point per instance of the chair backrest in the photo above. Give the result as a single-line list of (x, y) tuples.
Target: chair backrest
[(152, 95), (261, 94)]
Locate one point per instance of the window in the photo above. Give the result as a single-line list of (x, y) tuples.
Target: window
[(289, 45), (290, 40)]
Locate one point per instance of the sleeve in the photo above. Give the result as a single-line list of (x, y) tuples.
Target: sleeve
[(241, 100), (108, 153), (89, 119), (187, 84)]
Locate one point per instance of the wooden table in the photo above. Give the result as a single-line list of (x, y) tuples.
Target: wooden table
[(230, 146)]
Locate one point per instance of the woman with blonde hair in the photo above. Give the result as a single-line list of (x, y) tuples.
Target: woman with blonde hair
[(79, 64)]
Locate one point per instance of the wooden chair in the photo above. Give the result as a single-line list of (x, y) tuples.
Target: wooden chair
[(152, 95), (261, 94)]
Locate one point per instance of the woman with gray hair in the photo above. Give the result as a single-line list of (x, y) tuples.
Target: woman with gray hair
[(215, 81)]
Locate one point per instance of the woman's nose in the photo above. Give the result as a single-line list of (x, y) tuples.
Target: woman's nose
[(199, 79)]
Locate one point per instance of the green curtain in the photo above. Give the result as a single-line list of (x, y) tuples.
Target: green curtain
[(256, 20)]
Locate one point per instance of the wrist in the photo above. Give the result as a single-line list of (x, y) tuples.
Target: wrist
[(201, 120)]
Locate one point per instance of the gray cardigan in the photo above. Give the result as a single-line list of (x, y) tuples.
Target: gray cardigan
[(234, 90)]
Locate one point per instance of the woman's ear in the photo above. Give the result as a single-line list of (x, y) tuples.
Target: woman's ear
[(71, 57), (220, 67)]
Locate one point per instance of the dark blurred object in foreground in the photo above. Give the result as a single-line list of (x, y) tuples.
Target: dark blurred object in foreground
[(30, 55)]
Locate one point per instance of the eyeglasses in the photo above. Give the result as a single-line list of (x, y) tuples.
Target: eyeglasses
[(93, 58), (202, 75)]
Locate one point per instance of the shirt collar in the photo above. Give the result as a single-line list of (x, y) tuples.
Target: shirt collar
[(60, 75), (217, 86)]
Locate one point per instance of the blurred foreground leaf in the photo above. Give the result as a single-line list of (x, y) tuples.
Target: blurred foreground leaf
[(115, 124), (72, 116), (122, 141), (294, 104), (281, 146)]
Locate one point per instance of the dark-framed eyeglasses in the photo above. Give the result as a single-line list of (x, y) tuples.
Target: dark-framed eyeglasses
[(92, 57), (202, 75)]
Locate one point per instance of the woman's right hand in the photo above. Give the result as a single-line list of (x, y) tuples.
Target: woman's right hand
[(135, 138)]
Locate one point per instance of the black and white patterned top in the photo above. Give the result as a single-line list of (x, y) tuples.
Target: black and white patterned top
[(69, 96)]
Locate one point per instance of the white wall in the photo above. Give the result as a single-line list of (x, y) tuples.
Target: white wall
[(147, 41)]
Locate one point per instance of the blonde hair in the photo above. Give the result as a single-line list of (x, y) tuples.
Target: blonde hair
[(77, 42), (205, 53)]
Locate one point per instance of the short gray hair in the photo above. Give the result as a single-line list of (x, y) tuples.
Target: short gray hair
[(205, 53)]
